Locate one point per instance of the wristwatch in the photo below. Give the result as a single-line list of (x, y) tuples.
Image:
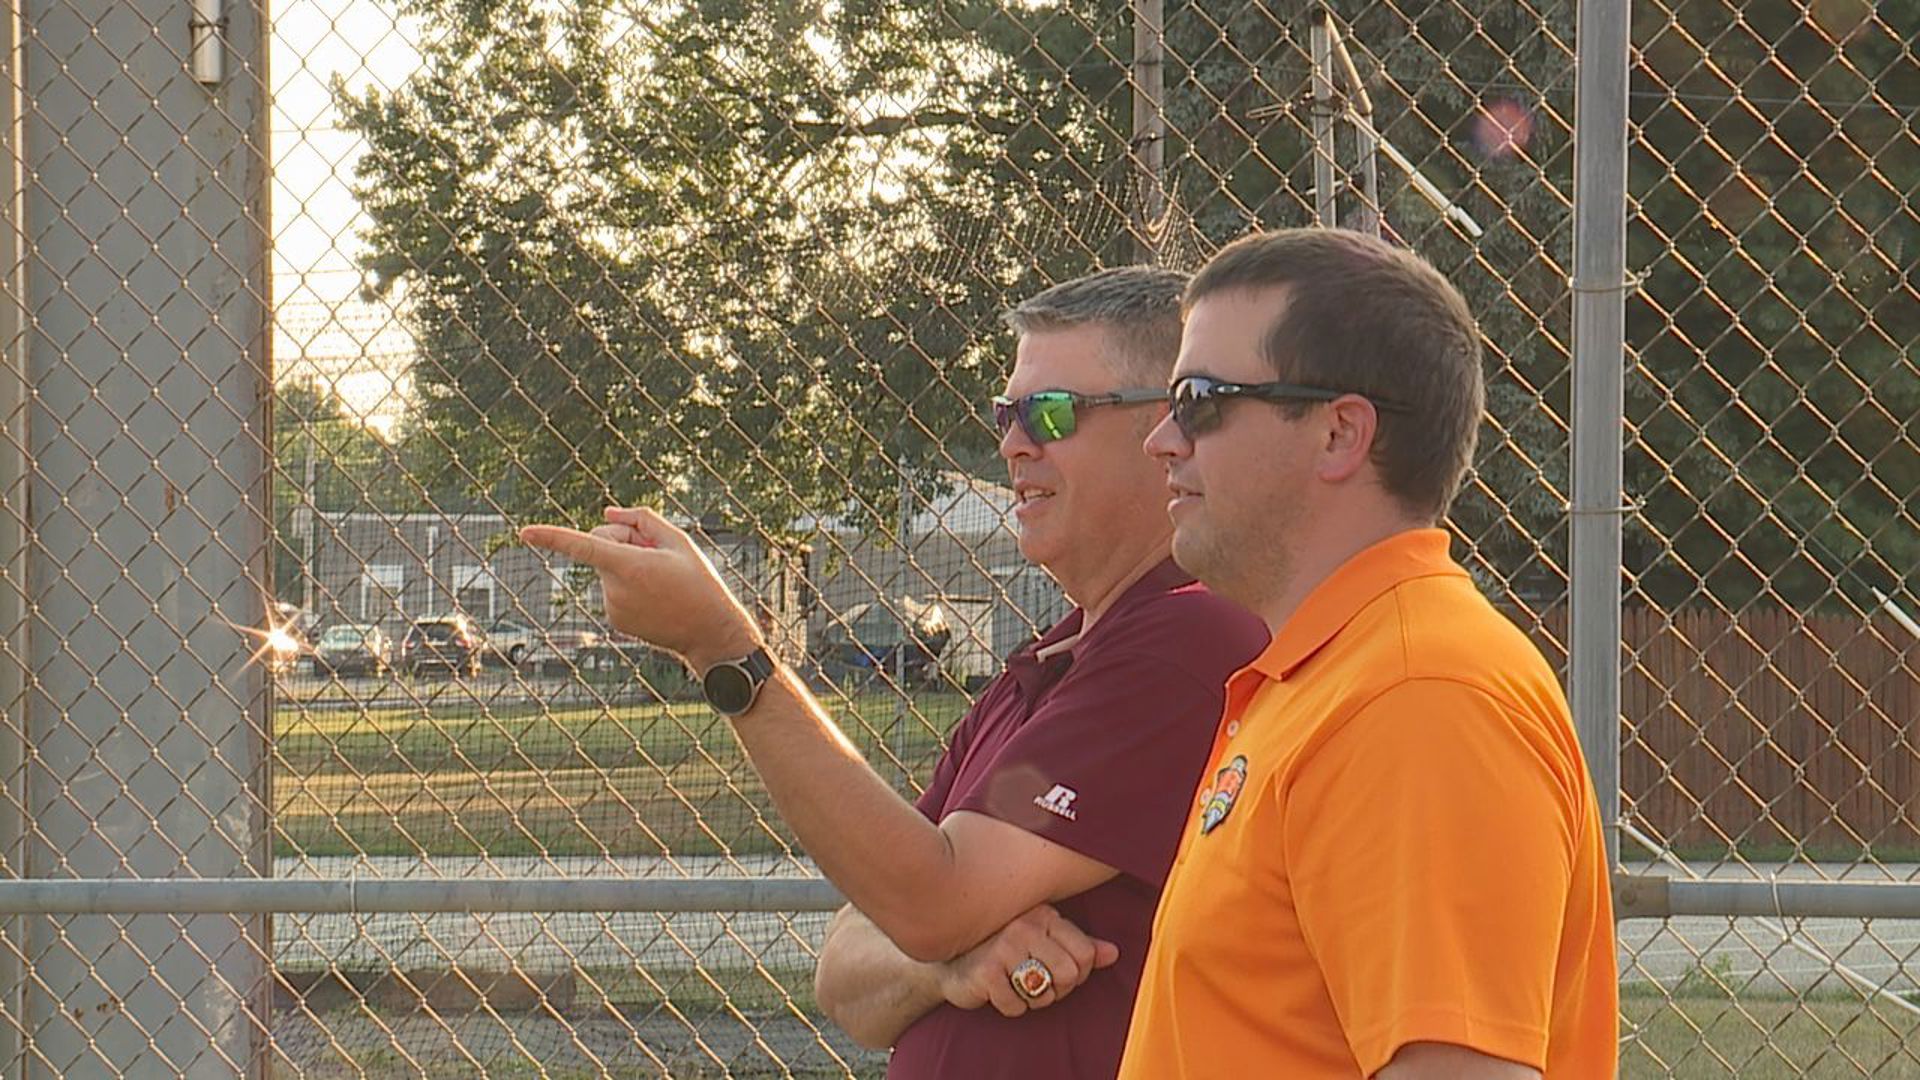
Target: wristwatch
[(732, 686)]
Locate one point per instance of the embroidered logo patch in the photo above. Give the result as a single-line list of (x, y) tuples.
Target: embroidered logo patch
[(1058, 800), (1218, 801)]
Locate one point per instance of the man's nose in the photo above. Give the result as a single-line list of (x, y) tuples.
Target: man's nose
[(1166, 440), (1015, 442)]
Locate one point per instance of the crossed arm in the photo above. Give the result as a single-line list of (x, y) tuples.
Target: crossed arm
[(874, 991)]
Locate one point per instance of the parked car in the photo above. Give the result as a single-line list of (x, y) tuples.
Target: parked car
[(351, 648), (878, 640), (509, 642), (296, 617), (449, 642), (562, 650)]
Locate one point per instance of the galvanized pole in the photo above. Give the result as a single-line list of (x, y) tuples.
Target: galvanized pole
[(148, 503), (895, 605), (1320, 36), (1149, 125), (124, 896), (1366, 138), (309, 519), (1599, 379), (13, 511)]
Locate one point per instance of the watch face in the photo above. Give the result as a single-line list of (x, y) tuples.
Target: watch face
[(728, 688)]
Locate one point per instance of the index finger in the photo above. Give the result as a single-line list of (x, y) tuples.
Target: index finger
[(574, 544)]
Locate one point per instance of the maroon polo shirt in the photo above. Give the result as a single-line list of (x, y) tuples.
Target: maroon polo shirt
[(1096, 745)]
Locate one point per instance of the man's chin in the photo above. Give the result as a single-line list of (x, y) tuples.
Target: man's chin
[(1034, 549), (1191, 551)]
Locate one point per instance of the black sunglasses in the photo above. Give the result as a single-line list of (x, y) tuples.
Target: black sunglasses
[(1051, 414), (1197, 399)]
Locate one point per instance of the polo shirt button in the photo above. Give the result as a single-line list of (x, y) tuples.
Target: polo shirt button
[(1233, 728)]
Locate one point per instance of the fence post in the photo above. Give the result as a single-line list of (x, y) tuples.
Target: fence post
[(1599, 381), (13, 537), (1324, 108), (148, 508), (1149, 125)]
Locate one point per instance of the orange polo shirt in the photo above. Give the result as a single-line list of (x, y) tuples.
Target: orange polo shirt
[(1396, 841)]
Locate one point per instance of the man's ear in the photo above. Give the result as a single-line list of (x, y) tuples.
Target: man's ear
[(1348, 428)]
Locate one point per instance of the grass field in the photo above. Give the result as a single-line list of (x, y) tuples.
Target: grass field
[(677, 1024), (442, 767), (1765, 1037), (449, 773)]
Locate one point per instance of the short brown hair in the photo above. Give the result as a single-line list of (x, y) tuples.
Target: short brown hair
[(1365, 316), (1140, 304)]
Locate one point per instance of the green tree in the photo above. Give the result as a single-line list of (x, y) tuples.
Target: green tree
[(323, 455), (1242, 154), (748, 257), (703, 253), (1775, 412)]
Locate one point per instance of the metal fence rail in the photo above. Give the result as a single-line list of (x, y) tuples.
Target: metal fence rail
[(1641, 896), (303, 318), (128, 896)]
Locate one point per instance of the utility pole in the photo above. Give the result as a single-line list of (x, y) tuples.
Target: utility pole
[(310, 497), (1149, 144)]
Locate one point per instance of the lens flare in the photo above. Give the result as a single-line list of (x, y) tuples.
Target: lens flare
[(1502, 129), (279, 643)]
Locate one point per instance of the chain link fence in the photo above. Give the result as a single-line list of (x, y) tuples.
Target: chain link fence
[(515, 260), (1769, 691)]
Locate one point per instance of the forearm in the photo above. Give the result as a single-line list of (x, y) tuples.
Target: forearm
[(889, 860), (868, 986)]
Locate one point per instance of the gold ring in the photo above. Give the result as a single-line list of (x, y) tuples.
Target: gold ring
[(1031, 978)]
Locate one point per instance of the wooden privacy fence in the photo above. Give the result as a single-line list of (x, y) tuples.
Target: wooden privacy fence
[(1766, 729)]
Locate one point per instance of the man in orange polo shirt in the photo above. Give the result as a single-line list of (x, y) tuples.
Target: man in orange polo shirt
[(1394, 867)]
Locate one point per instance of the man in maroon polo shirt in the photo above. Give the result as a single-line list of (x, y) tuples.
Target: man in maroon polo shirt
[(999, 931), (1098, 725)]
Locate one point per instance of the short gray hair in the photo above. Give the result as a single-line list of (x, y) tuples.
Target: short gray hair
[(1141, 302)]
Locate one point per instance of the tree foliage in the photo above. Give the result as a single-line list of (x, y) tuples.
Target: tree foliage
[(746, 258), (334, 464), (1774, 411), (741, 256)]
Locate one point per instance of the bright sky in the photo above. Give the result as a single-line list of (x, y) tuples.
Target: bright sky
[(323, 330)]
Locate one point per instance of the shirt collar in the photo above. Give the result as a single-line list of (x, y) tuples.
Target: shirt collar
[(1164, 577), (1044, 653), (1037, 663), (1359, 581), (1033, 663)]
